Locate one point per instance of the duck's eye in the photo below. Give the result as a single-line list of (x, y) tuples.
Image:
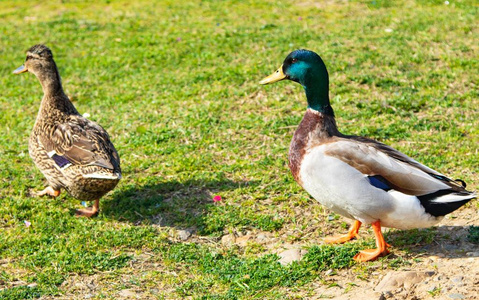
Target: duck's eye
[(294, 60)]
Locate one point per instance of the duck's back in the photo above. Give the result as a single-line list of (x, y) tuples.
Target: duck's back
[(74, 154)]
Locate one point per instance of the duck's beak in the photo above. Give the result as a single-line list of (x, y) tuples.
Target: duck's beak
[(276, 76), (21, 69)]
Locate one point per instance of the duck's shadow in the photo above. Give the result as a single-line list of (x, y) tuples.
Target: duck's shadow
[(167, 203), (446, 241)]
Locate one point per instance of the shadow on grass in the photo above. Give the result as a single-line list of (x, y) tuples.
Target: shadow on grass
[(447, 241), (168, 203)]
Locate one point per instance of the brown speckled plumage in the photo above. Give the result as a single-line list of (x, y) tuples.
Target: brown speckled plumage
[(91, 165)]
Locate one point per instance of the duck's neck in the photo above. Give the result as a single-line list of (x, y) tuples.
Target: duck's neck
[(54, 96), (317, 126), (316, 86), (50, 80)]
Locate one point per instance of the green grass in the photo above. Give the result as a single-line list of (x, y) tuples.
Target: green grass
[(473, 235), (175, 83), (249, 277)]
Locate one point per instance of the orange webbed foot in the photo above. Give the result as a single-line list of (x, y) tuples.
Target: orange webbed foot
[(89, 211), (370, 254), (382, 246), (47, 191), (339, 239)]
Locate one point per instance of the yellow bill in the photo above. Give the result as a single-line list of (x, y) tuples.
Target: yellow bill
[(21, 69), (276, 76)]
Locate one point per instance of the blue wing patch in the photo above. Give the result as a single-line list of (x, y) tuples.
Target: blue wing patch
[(61, 161), (379, 182)]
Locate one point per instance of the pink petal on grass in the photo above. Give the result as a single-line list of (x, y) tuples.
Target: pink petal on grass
[(27, 224), (217, 198)]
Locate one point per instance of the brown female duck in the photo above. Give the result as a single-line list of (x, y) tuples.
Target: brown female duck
[(72, 152)]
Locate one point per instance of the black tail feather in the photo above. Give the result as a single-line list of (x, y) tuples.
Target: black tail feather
[(461, 182), (443, 208)]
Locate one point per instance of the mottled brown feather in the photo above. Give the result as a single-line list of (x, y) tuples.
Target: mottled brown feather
[(94, 167), (81, 141)]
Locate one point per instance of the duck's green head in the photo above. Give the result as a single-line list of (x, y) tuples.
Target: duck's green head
[(308, 69)]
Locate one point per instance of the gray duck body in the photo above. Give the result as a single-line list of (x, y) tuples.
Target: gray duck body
[(358, 177)]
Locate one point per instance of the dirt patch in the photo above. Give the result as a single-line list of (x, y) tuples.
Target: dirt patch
[(446, 268)]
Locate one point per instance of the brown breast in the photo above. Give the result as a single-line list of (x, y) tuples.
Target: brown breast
[(316, 128)]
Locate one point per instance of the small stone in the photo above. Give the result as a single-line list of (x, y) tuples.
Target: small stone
[(243, 240), (447, 287), (127, 293), (457, 279), (88, 296), (473, 254), (261, 237), (228, 240), (32, 285), (431, 288), (184, 234), (91, 285), (456, 296), (394, 280), (363, 294), (328, 272), (387, 295), (289, 256)]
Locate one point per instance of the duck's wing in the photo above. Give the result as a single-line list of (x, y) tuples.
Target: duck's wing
[(79, 141), (389, 169)]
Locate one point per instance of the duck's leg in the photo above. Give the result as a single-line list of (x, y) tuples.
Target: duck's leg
[(47, 191), (89, 211), (381, 250), (352, 233)]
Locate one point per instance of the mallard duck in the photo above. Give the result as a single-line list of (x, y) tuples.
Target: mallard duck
[(72, 152), (357, 177)]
